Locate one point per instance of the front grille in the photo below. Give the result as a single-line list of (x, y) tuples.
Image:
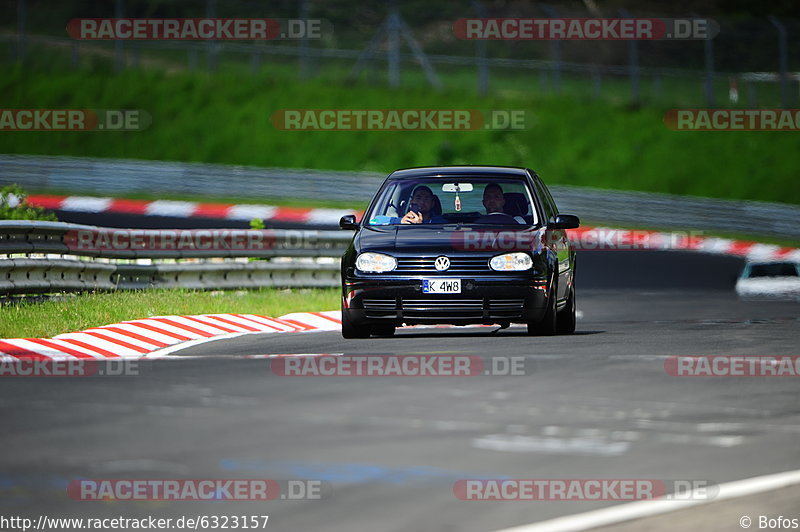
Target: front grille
[(425, 265), (435, 305), (506, 304), (433, 309), (380, 308)]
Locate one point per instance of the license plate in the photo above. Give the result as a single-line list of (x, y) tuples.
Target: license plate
[(441, 286)]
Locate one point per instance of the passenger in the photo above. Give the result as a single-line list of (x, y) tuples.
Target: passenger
[(426, 203)]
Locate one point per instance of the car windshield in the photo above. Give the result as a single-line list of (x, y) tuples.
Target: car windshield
[(775, 269), (472, 200)]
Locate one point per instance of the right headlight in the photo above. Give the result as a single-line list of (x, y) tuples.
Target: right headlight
[(375, 263), (511, 262)]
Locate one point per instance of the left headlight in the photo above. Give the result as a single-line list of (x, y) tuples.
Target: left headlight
[(375, 263), (511, 262)]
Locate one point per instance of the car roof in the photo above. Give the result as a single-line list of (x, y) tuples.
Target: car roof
[(504, 172)]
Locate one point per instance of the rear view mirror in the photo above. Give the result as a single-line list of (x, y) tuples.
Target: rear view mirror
[(457, 187), (565, 221)]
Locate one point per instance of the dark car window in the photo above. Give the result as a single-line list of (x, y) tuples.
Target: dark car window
[(548, 197), (778, 269), (467, 206), (547, 202), (388, 200)]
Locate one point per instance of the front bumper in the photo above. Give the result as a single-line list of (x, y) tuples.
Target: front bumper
[(483, 300)]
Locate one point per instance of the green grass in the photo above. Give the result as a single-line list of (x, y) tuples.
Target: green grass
[(226, 119), (68, 313)]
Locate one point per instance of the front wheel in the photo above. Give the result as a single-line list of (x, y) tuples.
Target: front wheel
[(565, 319), (547, 325), (351, 330)]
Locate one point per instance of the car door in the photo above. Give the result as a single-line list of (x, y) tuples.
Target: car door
[(557, 238)]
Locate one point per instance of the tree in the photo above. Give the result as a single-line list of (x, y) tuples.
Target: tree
[(14, 207)]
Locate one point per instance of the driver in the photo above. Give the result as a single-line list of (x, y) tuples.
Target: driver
[(495, 201)]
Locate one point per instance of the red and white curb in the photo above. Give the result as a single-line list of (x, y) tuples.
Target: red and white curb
[(160, 335), (610, 239), (190, 209)]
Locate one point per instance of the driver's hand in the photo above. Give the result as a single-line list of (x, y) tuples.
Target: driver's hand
[(411, 218)]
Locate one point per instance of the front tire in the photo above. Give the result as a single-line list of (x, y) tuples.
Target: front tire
[(566, 319), (351, 330), (547, 325)]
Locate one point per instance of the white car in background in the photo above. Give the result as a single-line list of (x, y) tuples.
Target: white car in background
[(778, 279)]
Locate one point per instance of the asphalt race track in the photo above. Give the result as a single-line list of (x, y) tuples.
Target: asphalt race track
[(596, 404)]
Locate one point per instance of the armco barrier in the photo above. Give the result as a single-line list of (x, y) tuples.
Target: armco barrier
[(65, 238), (43, 257), (41, 276), (227, 275), (116, 176)]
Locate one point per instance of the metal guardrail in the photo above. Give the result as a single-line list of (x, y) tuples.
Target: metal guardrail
[(679, 212), (42, 276), (21, 236), (117, 176), (45, 257), (228, 275)]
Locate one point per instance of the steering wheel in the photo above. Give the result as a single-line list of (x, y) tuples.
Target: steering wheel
[(497, 218)]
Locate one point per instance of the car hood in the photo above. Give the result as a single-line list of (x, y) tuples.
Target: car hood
[(452, 238)]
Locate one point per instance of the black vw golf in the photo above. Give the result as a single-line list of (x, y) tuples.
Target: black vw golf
[(459, 245)]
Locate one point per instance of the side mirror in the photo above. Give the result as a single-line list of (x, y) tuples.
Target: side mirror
[(348, 221), (565, 221)]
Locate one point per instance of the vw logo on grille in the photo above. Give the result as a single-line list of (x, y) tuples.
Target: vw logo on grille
[(441, 263)]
